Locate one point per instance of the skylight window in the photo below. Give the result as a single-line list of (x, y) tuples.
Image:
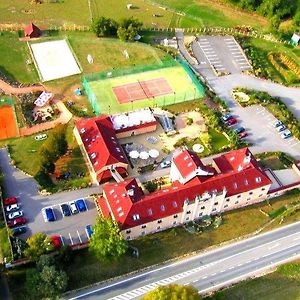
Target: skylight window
[(136, 217), (162, 208), (258, 179), (174, 203), (246, 182), (82, 130), (186, 157), (112, 191), (150, 212), (121, 214), (235, 185), (190, 164), (119, 209)]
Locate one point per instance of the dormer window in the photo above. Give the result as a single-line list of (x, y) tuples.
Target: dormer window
[(135, 217), (258, 179), (174, 203), (82, 130)]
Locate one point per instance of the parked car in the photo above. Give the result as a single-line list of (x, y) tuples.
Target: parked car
[(18, 230), (239, 130), (281, 128), (231, 122), (226, 117), (165, 164), (12, 207), (48, 214), (286, 134), (243, 134), (41, 137), (65, 209), (89, 230), (16, 222), (277, 123), (56, 241), (9, 201), (81, 205), (73, 207), (15, 214)]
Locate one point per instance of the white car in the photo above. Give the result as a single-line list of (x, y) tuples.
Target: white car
[(12, 207), (41, 137), (73, 207), (286, 134), (165, 164), (277, 123), (281, 128), (15, 214)]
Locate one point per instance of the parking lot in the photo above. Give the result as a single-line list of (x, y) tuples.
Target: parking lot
[(221, 53), (71, 229)]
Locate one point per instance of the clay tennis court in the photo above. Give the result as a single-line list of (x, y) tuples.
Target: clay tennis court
[(142, 90), (8, 124)]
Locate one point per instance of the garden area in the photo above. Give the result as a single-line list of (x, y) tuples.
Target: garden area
[(274, 105)]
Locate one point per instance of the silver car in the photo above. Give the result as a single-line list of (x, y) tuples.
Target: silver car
[(15, 214)]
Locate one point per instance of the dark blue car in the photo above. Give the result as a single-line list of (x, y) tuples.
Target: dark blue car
[(48, 214), (80, 203), (89, 230)]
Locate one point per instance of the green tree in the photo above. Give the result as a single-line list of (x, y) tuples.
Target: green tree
[(128, 29), (280, 8), (107, 242), (172, 292), (38, 244), (296, 19), (105, 27), (151, 186)]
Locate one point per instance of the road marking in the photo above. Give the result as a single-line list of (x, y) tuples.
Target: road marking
[(62, 240), (71, 239), (204, 277), (195, 280), (79, 237)]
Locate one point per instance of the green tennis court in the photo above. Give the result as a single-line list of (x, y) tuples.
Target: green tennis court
[(178, 84)]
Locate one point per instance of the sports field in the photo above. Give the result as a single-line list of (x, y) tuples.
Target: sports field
[(8, 123), (155, 88)]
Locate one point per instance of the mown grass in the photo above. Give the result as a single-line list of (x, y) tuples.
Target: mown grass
[(14, 54), (156, 248)]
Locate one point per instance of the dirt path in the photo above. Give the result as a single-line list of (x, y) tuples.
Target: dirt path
[(9, 90)]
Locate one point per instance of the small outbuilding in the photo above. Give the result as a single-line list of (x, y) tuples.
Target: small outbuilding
[(32, 31), (295, 39)]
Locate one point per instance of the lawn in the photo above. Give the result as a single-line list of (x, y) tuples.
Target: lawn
[(64, 12), (209, 13), (14, 55), (282, 284)]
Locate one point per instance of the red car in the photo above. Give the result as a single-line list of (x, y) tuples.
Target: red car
[(231, 122), (56, 241), (243, 134), (16, 222), (9, 201)]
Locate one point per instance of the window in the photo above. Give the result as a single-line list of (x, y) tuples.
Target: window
[(174, 222), (236, 202), (227, 200), (239, 196), (202, 207), (248, 199), (235, 185), (128, 237), (128, 231), (216, 203), (144, 226), (188, 212), (143, 233), (174, 203), (214, 209), (262, 189), (226, 205), (158, 227), (250, 193), (150, 212), (200, 214), (260, 195), (187, 218), (135, 217), (246, 182), (175, 216), (162, 208), (258, 179), (159, 221)]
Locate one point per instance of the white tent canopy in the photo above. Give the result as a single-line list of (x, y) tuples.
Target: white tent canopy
[(198, 148), (154, 153), (144, 155), (134, 154)]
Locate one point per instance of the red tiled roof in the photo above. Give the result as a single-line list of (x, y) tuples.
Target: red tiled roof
[(104, 207), (169, 201), (29, 29), (187, 162), (100, 142)]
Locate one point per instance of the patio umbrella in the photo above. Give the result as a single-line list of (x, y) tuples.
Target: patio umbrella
[(134, 154), (144, 155), (154, 153), (198, 148)]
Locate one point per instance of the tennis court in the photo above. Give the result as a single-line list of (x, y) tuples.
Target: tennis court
[(142, 89), (8, 124), (142, 86)]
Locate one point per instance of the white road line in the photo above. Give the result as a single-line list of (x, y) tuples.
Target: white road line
[(297, 238), (71, 239), (211, 55), (62, 240), (195, 281), (79, 237), (204, 277)]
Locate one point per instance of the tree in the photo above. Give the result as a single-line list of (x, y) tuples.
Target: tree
[(296, 19), (280, 8), (128, 29), (151, 186), (107, 242), (105, 27), (46, 281), (173, 291), (38, 244)]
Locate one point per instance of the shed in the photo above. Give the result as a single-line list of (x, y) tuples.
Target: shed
[(295, 38), (32, 31)]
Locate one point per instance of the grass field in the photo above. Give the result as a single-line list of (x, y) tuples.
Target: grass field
[(14, 54), (282, 284), (182, 86)]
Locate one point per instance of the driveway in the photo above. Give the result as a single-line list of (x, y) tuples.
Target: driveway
[(25, 188)]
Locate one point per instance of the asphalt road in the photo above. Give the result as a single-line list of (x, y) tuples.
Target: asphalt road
[(207, 271)]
